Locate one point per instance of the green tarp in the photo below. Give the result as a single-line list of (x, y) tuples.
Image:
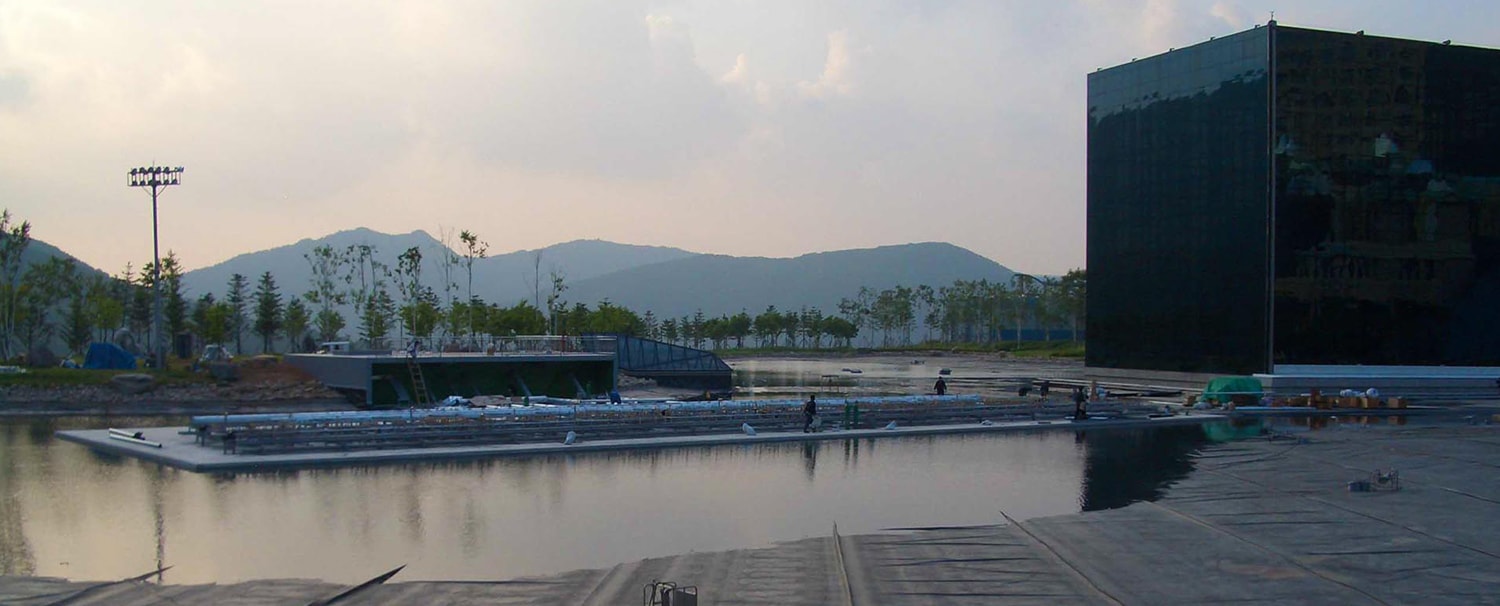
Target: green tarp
[(1221, 389)]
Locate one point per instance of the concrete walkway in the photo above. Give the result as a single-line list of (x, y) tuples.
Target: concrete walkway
[(180, 449), (1259, 521)]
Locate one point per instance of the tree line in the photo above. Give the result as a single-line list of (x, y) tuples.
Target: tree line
[(966, 311), (430, 298)]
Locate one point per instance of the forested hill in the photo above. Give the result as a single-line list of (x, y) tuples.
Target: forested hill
[(504, 278), (38, 251), (668, 282), (290, 268), (719, 284)]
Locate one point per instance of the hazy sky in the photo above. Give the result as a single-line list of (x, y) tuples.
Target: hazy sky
[(770, 128)]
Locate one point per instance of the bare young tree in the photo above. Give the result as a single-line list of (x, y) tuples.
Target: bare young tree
[(13, 242), (474, 249), (409, 284), (447, 264), (555, 303), (327, 264)]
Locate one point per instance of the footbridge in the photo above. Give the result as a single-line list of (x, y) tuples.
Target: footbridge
[(672, 365)]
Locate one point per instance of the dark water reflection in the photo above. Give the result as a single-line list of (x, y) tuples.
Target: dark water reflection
[(67, 511), (1128, 465)]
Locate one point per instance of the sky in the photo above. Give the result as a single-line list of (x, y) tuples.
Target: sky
[(741, 127)]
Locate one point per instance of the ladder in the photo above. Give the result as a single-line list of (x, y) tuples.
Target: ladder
[(421, 398)]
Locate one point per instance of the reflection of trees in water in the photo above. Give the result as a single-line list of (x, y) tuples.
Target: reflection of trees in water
[(15, 552), (1122, 466)]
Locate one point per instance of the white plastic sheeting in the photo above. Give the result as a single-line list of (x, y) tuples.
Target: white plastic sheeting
[(557, 407)]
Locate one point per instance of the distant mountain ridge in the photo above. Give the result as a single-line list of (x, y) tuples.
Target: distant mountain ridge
[(504, 278), (38, 251), (669, 282), (288, 265), (724, 285)]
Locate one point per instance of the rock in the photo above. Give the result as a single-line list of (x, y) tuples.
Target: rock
[(261, 361), (127, 341), (223, 371), (41, 357), (133, 383)]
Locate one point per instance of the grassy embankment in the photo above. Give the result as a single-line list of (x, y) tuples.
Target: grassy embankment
[(179, 372)]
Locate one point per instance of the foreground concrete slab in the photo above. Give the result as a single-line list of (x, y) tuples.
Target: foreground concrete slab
[(1259, 521)]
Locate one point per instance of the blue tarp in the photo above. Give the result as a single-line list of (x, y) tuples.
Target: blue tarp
[(108, 356)]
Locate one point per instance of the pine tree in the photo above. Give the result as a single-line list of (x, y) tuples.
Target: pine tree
[(268, 312), (238, 300), (174, 305)]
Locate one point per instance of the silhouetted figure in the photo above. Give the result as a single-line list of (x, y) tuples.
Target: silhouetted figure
[(809, 411), (851, 413), (941, 387), (1079, 398), (1044, 389)]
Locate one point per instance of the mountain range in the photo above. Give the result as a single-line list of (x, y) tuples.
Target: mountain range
[(669, 282), (39, 252)]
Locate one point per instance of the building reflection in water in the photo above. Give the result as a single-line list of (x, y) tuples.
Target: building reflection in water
[(1125, 466)]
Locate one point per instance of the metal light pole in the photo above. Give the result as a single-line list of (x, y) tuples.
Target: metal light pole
[(157, 178), (1020, 280)]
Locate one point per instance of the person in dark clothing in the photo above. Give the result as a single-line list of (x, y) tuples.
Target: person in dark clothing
[(809, 411), (1078, 400), (941, 387)]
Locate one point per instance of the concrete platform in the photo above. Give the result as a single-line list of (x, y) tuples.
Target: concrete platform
[(1258, 522), (181, 451), (385, 378)]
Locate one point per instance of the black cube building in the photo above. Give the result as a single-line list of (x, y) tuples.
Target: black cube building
[(1288, 198)]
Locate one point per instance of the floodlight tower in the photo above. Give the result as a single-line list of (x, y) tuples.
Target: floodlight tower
[(157, 178)]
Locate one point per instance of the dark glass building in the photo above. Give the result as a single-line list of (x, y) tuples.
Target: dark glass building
[(1287, 196)]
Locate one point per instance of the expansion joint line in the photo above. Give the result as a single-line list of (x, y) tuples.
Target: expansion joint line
[(1064, 561), (1418, 451), (838, 558), (78, 595), (1268, 549), (1366, 515)]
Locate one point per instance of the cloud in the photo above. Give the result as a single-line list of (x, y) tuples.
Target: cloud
[(15, 89), (1232, 14), (739, 74), (837, 77)]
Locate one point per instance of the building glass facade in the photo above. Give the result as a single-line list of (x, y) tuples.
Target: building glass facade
[(1178, 200), (1387, 241), (1295, 196)]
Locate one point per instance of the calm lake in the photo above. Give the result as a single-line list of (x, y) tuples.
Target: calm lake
[(70, 512)]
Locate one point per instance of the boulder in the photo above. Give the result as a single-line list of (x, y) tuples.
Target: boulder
[(261, 361), (133, 383), (223, 371), (42, 357), (126, 340)]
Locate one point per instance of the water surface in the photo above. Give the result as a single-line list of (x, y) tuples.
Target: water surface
[(68, 511)]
